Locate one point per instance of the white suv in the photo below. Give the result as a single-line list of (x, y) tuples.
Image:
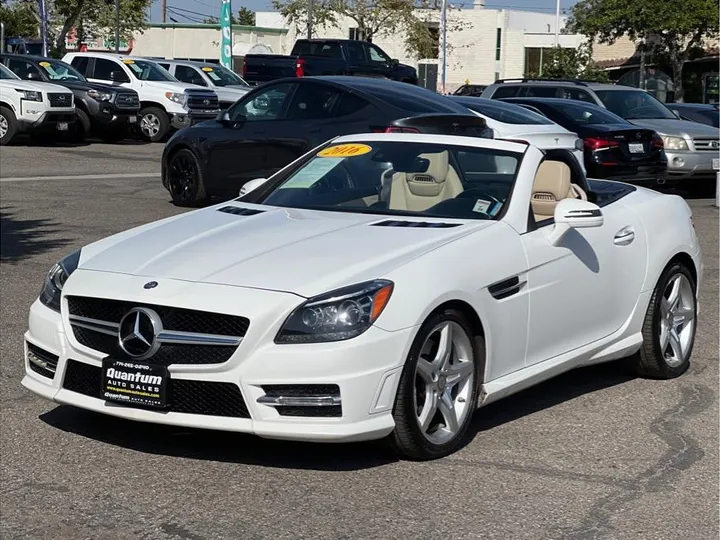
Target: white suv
[(165, 102), (32, 107)]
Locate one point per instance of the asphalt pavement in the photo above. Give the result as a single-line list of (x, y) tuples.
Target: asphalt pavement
[(592, 454)]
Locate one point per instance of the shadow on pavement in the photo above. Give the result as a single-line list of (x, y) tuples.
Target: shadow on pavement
[(248, 449), (20, 238)]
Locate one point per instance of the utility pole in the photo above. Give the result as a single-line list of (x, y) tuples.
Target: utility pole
[(557, 23), (164, 10), (443, 44), (311, 5), (117, 26), (43, 27)]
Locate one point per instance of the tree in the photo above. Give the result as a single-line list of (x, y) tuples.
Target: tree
[(21, 19), (295, 12), (422, 38), (567, 63), (671, 28), (373, 17), (245, 17)]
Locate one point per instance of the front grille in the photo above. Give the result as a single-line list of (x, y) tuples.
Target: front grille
[(177, 319), (49, 360), (707, 145), (185, 396), (60, 100), (203, 101), (127, 101)]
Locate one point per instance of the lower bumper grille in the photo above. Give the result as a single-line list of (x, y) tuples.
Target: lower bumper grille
[(185, 396), (41, 361)]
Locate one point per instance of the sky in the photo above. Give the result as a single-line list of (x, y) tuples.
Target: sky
[(187, 11)]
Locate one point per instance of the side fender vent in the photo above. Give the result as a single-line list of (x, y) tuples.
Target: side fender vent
[(417, 224), (240, 211), (506, 288)]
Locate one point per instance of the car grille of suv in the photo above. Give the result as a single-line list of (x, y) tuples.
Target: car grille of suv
[(60, 100), (707, 145), (127, 101), (185, 396), (202, 100), (95, 324)]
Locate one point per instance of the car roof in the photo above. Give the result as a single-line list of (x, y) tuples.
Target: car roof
[(593, 85), (195, 63), (110, 56), (449, 140), (32, 57)]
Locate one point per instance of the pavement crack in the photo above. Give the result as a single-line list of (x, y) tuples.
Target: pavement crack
[(682, 452)]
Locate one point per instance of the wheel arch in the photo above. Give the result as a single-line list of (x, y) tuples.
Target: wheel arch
[(146, 104), (168, 156), (7, 105), (685, 259)]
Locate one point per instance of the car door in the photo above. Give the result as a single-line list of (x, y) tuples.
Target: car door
[(25, 70), (585, 288), (189, 74), (237, 152), (102, 69)]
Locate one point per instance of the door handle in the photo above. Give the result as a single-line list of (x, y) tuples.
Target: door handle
[(624, 236)]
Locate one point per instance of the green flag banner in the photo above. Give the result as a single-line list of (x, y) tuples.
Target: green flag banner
[(226, 30)]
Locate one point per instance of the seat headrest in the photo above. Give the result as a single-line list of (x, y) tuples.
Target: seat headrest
[(431, 182), (552, 178)]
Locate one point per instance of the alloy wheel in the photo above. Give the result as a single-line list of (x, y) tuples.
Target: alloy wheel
[(444, 379), (677, 320), (150, 125), (3, 126), (182, 178)]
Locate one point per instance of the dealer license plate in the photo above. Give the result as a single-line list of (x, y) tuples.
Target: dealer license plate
[(62, 126), (716, 164), (132, 119), (133, 383), (636, 148)]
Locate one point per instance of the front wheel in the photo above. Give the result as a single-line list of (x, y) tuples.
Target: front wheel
[(80, 129), (438, 388), (669, 327), (185, 179), (8, 126), (154, 124)]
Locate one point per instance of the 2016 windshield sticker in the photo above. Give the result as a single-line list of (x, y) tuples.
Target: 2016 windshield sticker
[(207, 69), (127, 61), (345, 150), (45, 64)]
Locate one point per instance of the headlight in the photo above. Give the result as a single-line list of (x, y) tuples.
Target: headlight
[(99, 96), (30, 95), (56, 278), (337, 315), (176, 97), (675, 143)]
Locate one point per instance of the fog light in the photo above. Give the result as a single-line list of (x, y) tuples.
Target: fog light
[(678, 161)]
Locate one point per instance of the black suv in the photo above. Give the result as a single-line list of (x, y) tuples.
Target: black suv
[(105, 110)]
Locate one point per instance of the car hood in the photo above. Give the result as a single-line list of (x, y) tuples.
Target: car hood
[(669, 126), (304, 252), (172, 86), (34, 86), (87, 85)]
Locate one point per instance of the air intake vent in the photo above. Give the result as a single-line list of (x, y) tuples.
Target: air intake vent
[(420, 224), (239, 211)]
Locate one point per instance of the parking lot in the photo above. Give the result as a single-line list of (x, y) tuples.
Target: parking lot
[(591, 454)]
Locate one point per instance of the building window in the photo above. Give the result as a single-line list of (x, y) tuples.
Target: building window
[(498, 41)]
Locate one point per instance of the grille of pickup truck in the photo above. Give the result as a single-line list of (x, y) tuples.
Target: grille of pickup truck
[(127, 101), (202, 100)]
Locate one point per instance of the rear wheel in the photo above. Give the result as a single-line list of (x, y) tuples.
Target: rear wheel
[(154, 123), (185, 179), (670, 326), (437, 394), (80, 129), (8, 126)]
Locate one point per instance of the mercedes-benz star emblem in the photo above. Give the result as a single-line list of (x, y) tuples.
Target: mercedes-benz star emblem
[(138, 333), (150, 285)]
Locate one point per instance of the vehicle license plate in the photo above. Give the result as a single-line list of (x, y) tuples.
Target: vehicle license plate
[(636, 148), (133, 383), (716, 164), (132, 119), (62, 126)]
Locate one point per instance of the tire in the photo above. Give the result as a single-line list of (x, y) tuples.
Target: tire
[(412, 405), (8, 125), (185, 179), (666, 354), (80, 129), (154, 124)]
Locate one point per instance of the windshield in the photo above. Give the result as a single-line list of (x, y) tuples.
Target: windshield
[(399, 178), (5, 73), (713, 116), (583, 114), (60, 71), (634, 104), (148, 71), (503, 112), (222, 76)]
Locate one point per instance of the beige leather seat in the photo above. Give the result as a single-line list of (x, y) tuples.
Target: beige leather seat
[(416, 192), (552, 184)]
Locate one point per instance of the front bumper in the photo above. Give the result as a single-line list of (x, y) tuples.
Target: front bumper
[(46, 122), (365, 369), (691, 165), (186, 119), (113, 117)]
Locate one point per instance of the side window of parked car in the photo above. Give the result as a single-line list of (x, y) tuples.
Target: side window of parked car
[(265, 105), (350, 104), (542, 91), (505, 92), (164, 66), (377, 56), (356, 52), (578, 95), (312, 101), (23, 69), (80, 63), (104, 67), (190, 75)]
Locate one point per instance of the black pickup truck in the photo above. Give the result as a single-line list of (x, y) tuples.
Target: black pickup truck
[(109, 111), (327, 57)]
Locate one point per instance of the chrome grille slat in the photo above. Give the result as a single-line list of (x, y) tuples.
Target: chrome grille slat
[(707, 145)]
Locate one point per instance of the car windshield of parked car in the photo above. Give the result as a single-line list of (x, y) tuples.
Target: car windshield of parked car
[(503, 112), (712, 116), (222, 76), (60, 71), (5, 73), (400, 178), (580, 113), (148, 71), (634, 104)]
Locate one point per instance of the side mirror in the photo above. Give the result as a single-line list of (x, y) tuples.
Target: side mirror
[(251, 185), (223, 117), (32, 76), (574, 214), (394, 62)]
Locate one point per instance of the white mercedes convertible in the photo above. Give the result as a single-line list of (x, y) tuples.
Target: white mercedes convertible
[(381, 286)]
